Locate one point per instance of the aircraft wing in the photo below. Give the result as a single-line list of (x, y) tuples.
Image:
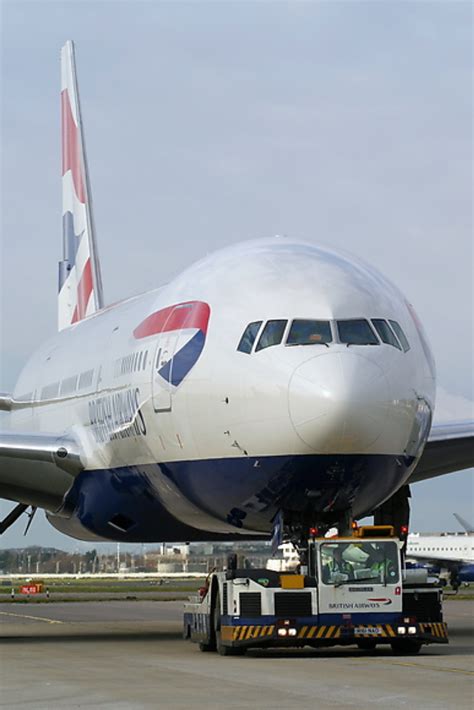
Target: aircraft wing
[(37, 469), (450, 447)]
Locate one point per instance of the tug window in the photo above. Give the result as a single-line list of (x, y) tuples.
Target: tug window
[(356, 332), (309, 332), (248, 338), (386, 334), (272, 334), (400, 335)]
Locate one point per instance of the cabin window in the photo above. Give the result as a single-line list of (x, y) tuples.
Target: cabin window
[(272, 334), (385, 332), (248, 338), (309, 332), (145, 359), (400, 335), (140, 355), (85, 379), (356, 332), (68, 385), (50, 391)]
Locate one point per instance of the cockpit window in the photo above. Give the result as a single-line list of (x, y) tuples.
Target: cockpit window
[(309, 332), (356, 332), (272, 334), (386, 333), (400, 335), (248, 338)]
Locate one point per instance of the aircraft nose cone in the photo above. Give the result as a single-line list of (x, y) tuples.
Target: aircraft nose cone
[(338, 402)]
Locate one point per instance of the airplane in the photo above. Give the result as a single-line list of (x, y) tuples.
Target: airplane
[(273, 385), (451, 551)]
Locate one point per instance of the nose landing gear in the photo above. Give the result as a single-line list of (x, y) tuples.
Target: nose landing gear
[(297, 527)]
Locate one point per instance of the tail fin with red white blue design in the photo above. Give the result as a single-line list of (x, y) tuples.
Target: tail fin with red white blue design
[(80, 283)]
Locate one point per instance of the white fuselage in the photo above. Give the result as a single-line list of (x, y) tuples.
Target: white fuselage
[(237, 413), (450, 547)]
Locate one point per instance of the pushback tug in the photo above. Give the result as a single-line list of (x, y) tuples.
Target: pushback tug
[(347, 591)]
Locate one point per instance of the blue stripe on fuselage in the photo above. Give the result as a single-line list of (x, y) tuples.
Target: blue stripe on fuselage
[(231, 490)]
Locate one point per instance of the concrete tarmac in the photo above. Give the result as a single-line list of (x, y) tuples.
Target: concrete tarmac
[(129, 654)]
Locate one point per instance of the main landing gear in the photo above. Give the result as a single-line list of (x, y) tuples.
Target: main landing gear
[(454, 580)]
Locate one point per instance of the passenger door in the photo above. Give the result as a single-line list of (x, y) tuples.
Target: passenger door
[(162, 388)]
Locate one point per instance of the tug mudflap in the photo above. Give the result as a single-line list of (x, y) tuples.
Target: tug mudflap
[(433, 632), (258, 634)]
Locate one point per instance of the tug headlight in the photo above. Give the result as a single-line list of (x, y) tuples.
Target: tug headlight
[(401, 630), (282, 632), (291, 632), (412, 629)]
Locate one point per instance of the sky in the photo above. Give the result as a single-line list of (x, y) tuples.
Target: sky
[(207, 123)]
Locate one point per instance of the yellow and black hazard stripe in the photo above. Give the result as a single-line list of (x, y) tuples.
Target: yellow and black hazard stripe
[(246, 633), (335, 632), (310, 633), (382, 631), (329, 632), (319, 632), (437, 629)]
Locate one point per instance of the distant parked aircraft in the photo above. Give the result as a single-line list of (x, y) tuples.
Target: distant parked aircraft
[(451, 551)]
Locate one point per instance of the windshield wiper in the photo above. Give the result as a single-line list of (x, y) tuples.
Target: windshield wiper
[(355, 581)]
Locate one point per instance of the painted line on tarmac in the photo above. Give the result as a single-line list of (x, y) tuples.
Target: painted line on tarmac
[(433, 668), (33, 618), (424, 666)]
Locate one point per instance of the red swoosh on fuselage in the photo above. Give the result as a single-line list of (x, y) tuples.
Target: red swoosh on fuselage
[(191, 314)]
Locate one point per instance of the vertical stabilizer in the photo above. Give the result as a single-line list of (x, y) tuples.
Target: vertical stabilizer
[(463, 523), (80, 284)]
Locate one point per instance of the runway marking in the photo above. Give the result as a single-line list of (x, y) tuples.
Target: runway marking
[(34, 618), (433, 668), (425, 666)]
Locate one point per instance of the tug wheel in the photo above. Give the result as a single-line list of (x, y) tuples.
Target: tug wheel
[(405, 647), (221, 649)]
